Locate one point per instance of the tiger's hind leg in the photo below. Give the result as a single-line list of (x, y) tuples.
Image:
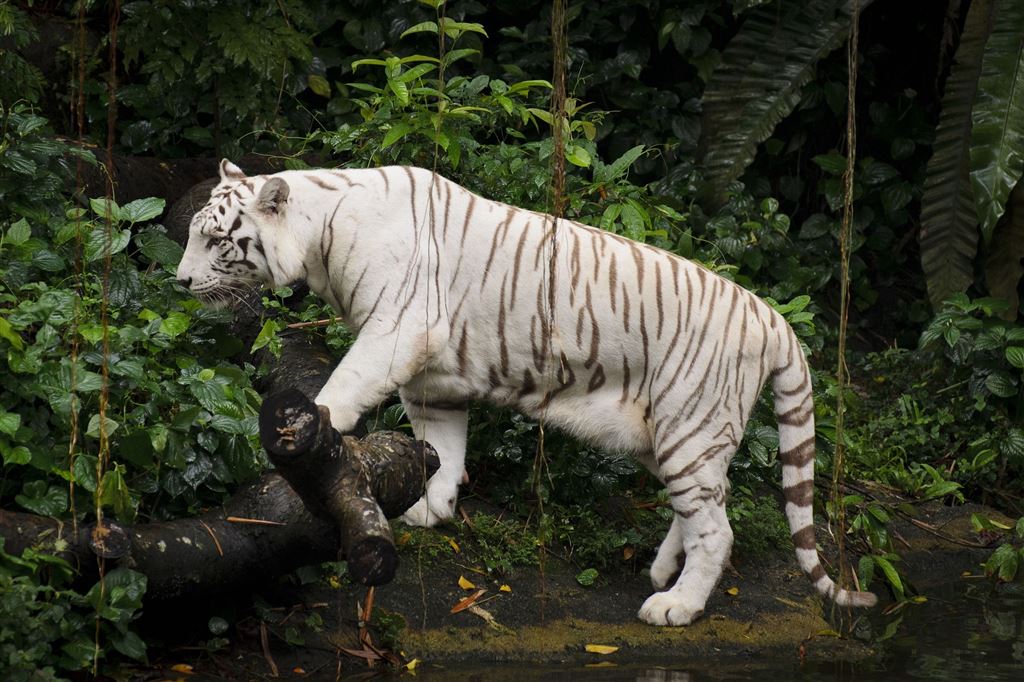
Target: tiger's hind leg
[(668, 562), (443, 425), (697, 485)]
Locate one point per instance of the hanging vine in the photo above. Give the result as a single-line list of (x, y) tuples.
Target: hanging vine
[(842, 372)]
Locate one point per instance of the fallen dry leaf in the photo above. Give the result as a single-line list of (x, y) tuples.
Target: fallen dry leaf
[(467, 602), (455, 545), (627, 553), (603, 649), (465, 584), (299, 671), (368, 654), (732, 591), (182, 668), (504, 588)]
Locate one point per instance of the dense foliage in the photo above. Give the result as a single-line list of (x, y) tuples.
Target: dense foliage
[(678, 133)]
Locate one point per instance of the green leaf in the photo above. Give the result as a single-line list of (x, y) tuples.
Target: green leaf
[(455, 55), (367, 62), (400, 89), (37, 497), (84, 470), (93, 429), (949, 232), (454, 29), (422, 27), (1001, 383), (98, 245), (587, 577), (760, 80), (7, 332), (16, 455), (129, 644), (1003, 269), (997, 135), (175, 324), (157, 247), (141, 210), (416, 71), (621, 165), (319, 85), (18, 233), (266, 335), (9, 422), (114, 493), (106, 209), (891, 575), (398, 130), (578, 156), (833, 163), (866, 570), (1015, 356), (1003, 562)]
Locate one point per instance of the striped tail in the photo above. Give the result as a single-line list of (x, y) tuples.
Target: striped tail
[(794, 408)]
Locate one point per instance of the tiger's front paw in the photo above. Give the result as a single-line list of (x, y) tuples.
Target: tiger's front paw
[(669, 608), (342, 419), (427, 515), (436, 506)]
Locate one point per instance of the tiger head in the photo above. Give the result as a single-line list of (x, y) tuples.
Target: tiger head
[(230, 237)]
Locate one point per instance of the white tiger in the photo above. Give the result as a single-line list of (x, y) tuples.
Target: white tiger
[(454, 298)]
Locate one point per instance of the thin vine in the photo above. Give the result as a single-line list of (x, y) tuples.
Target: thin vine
[(842, 372)]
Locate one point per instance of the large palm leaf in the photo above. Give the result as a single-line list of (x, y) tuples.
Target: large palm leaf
[(1003, 269), (997, 138), (949, 232), (759, 79)]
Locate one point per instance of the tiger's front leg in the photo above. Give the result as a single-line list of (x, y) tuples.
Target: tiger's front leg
[(443, 425), (378, 363)]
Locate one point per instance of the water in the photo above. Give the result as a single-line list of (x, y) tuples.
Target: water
[(967, 631)]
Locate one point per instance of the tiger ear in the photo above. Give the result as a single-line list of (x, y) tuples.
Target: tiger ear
[(229, 171), (272, 196)]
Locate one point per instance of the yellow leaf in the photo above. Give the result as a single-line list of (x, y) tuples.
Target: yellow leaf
[(920, 599), (403, 538), (182, 668), (299, 671), (334, 582), (601, 649), (454, 544), (411, 665), (732, 591), (465, 584), (504, 588)]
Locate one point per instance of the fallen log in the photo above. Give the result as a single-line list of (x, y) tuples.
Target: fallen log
[(265, 530)]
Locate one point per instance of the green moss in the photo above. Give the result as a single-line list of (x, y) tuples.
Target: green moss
[(758, 525)]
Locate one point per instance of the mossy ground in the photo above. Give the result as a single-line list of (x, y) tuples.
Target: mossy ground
[(763, 609)]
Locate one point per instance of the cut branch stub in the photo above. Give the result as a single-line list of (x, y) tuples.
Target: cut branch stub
[(357, 484)]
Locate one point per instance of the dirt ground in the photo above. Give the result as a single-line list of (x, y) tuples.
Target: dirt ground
[(545, 617)]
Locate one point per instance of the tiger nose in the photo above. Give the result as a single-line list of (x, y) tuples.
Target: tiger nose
[(185, 281)]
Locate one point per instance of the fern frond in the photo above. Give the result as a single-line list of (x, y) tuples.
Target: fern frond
[(759, 79)]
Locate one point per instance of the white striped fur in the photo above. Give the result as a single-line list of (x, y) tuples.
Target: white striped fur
[(454, 298)]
